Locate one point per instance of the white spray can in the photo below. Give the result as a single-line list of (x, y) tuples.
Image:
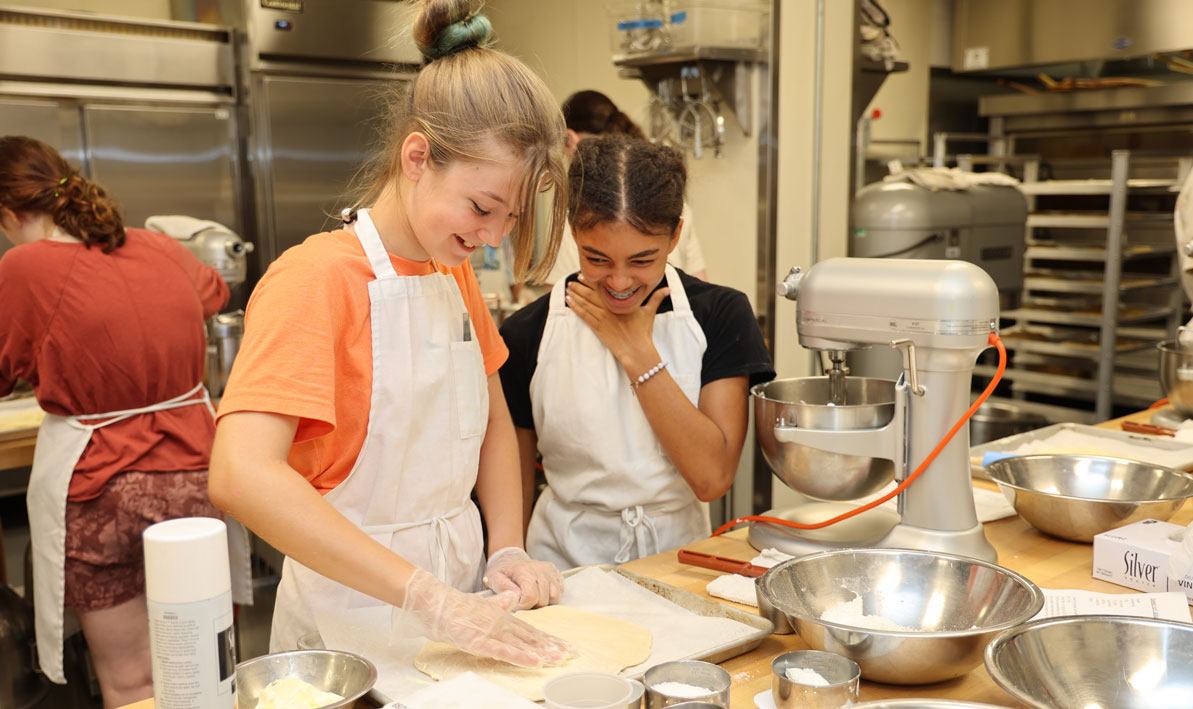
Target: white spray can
[(188, 588)]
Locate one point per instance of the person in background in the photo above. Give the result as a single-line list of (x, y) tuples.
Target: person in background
[(364, 406), (106, 323), (631, 377), (592, 113)]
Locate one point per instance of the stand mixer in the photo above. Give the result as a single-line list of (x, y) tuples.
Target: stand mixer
[(838, 438)]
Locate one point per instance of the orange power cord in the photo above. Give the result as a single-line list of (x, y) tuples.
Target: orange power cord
[(1002, 365)]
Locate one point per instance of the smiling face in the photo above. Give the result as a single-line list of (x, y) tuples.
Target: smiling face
[(454, 209), (622, 263)]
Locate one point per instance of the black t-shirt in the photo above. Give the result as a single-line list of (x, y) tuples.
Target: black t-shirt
[(735, 344)]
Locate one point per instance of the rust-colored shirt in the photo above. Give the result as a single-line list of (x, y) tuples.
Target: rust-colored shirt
[(95, 332)]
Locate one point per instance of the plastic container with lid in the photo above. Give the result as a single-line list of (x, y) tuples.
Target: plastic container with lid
[(740, 24)]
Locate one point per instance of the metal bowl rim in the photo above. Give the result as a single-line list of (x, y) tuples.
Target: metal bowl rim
[(1037, 596), (993, 475), (348, 699), (1007, 636), (1173, 346), (754, 392)]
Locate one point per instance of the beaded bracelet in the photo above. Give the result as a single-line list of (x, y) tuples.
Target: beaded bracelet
[(649, 373)]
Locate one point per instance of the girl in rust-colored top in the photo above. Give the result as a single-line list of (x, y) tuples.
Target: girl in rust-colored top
[(101, 320)]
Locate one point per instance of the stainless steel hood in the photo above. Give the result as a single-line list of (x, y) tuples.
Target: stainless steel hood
[(1001, 34)]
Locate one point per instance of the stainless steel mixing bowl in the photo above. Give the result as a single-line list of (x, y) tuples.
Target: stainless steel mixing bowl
[(1075, 497), (954, 604), (803, 402), (922, 704), (1095, 661), (1176, 376), (344, 673)]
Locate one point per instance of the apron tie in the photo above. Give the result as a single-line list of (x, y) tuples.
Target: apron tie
[(635, 526), (441, 539)]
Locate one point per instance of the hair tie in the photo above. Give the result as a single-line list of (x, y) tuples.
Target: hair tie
[(60, 182), (472, 31)]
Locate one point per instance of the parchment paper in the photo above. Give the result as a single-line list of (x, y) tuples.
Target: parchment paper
[(676, 632)]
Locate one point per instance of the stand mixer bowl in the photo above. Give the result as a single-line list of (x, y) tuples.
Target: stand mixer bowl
[(1176, 376), (803, 402)]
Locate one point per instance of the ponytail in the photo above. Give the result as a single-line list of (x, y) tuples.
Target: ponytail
[(35, 179)]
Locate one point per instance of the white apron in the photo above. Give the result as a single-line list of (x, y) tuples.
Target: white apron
[(61, 441), (410, 486), (612, 494)]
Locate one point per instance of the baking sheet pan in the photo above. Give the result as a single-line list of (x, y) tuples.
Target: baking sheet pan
[(701, 605), (695, 603), (13, 408), (1157, 443)]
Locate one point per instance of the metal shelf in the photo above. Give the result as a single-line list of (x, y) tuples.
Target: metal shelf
[(1076, 285), (1094, 253), (1081, 350), (1126, 388), (1093, 220), (1051, 412), (1087, 187), (1063, 317)]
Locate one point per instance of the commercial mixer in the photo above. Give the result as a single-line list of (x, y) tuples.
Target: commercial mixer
[(221, 248), (838, 438)]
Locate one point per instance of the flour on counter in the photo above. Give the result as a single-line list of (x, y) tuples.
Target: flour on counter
[(680, 690), (769, 557), (734, 587), (806, 676), (851, 613)]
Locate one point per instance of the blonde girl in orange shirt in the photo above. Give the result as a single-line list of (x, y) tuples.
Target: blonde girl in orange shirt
[(478, 138)]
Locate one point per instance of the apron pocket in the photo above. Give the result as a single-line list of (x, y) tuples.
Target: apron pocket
[(470, 388)]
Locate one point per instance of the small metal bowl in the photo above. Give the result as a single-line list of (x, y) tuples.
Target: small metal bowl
[(955, 605), (803, 403), (1075, 497), (696, 673), (1095, 661), (348, 675)]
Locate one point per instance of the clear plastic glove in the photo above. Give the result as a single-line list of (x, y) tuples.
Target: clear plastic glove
[(536, 583), (479, 626)]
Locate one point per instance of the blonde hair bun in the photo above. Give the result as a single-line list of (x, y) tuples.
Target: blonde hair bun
[(447, 26)]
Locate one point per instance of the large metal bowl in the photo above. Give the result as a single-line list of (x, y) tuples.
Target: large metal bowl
[(1176, 376), (955, 604), (348, 675), (922, 704), (1075, 497), (1095, 661), (803, 402)]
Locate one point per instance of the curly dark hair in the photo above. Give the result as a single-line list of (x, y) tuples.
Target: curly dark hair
[(594, 112), (34, 178), (615, 178)]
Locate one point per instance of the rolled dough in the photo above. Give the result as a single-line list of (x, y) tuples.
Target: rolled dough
[(602, 644)]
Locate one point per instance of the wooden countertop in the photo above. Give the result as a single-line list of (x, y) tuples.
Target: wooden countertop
[(1049, 562)]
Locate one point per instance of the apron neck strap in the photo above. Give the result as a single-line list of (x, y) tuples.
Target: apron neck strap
[(679, 297), (366, 233)]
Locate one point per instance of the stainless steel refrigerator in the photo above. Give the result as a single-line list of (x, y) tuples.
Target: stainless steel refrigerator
[(316, 77)]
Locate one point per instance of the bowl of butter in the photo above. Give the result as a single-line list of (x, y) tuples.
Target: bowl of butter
[(303, 679)]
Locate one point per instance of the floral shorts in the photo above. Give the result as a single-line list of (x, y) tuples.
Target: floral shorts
[(105, 562)]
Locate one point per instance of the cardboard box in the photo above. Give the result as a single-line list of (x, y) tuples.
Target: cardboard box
[(1136, 556)]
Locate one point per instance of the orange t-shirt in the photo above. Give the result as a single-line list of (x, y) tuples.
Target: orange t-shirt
[(307, 349)]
